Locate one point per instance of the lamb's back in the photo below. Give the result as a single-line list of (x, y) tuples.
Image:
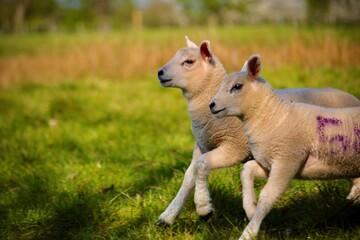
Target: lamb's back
[(325, 97)]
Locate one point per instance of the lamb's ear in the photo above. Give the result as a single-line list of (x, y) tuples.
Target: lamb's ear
[(253, 67), (189, 42), (206, 51), (244, 67)]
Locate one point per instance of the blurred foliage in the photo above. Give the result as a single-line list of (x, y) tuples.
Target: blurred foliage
[(212, 11), (317, 10), (79, 15)]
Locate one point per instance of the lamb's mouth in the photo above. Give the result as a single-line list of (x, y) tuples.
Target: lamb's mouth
[(217, 111), (165, 80)]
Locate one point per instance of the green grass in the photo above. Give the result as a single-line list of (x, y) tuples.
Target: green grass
[(53, 178), (107, 170), (95, 158)]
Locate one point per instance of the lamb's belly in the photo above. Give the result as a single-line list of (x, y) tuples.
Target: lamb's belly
[(340, 161), (329, 168)]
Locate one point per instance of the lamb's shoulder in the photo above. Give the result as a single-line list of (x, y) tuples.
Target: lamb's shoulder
[(274, 136)]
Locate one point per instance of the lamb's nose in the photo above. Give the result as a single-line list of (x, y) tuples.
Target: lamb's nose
[(212, 105), (160, 72)]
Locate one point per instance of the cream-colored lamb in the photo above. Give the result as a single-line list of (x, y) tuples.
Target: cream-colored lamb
[(289, 140), (219, 143)]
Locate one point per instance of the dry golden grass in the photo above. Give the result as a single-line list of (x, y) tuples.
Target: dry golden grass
[(129, 57), (330, 53)]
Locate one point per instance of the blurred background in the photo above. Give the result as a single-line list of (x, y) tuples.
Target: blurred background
[(47, 40), (18, 16)]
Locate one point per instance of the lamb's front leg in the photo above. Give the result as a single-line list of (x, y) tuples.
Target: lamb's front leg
[(279, 179), (249, 172), (218, 158), (177, 204)]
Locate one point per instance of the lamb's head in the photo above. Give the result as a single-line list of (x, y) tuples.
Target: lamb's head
[(188, 67), (238, 90)]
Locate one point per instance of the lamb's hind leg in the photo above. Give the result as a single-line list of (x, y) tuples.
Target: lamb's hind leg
[(354, 194), (177, 204), (249, 172), (220, 157)]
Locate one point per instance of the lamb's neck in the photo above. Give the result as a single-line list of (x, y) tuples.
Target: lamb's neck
[(200, 98), (265, 111)]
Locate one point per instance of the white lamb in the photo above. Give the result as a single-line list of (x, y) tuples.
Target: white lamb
[(219, 143), (287, 139)]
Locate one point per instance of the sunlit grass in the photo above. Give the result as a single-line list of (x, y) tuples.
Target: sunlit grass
[(99, 158)]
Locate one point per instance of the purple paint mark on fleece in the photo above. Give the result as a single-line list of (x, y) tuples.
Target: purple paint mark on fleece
[(322, 122), (357, 132), (356, 145), (343, 140)]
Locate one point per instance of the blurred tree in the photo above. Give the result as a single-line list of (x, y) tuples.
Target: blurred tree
[(85, 14), (122, 13), (317, 10), (213, 12), (75, 15), (6, 10), (161, 13), (13, 15), (41, 15), (19, 14), (102, 12)]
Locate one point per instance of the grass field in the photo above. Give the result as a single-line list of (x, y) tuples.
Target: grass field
[(92, 147)]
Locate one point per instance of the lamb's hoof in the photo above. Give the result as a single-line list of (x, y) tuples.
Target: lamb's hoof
[(206, 217), (162, 223)]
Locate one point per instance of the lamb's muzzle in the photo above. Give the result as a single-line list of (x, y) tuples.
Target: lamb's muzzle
[(162, 76), (212, 105), (214, 111), (160, 72)]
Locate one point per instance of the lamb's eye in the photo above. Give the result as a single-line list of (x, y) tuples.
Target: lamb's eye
[(236, 87), (189, 61)]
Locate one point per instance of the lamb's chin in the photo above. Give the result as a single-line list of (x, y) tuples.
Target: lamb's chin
[(220, 114), (231, 114), (166, 82)]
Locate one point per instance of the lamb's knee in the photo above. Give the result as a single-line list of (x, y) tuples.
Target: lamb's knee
[(247, 171), (202, 196), (354, 194), (251, 170), (247, 180), (201, 168)]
